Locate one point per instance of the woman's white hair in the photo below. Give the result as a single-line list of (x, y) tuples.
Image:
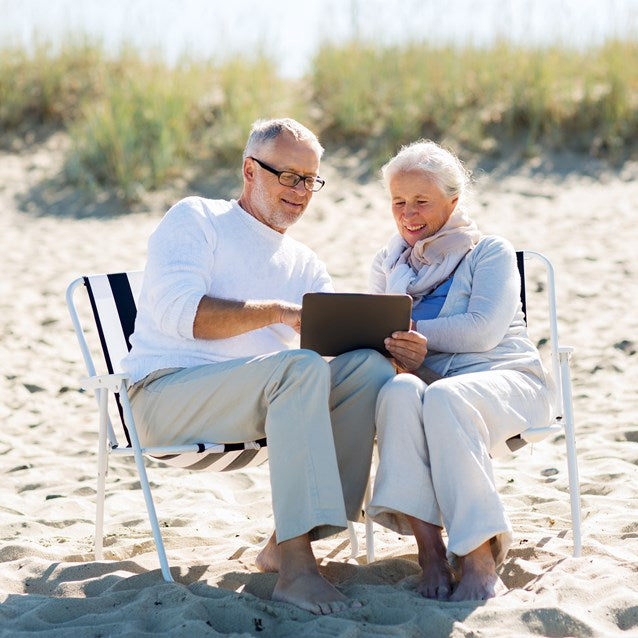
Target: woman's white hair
[(435, 162), (264, 132)]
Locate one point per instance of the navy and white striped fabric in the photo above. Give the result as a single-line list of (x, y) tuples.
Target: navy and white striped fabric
[(113, 301), (517, 442)]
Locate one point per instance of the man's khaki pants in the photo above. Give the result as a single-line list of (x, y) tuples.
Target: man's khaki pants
[(318, 417)]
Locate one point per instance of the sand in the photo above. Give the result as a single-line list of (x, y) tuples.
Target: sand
[(578, 212)]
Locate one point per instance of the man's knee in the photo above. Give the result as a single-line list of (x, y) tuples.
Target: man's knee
[(370, 367), (305, 363)]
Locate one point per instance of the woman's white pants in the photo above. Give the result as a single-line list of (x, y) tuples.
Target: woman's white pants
[(434, 452)]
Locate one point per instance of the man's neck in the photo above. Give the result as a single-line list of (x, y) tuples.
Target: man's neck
[(248, 209)]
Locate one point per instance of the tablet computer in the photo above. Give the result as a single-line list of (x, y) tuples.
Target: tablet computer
[(333, 323)]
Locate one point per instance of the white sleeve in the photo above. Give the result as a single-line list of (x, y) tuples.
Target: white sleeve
[(322, 281), (179, 263), (377, 279)]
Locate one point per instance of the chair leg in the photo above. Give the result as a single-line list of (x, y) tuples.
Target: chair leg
[(369, 528), (367, 499), (102, 467), (354, 541), (368, 521), (570, 443), (146, 489)]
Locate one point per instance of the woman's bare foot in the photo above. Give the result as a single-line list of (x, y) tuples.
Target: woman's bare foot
[(437, 580), (479, 580), (437, 577), (300, 582), (268, 558)]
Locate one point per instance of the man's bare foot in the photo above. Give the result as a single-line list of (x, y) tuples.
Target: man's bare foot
[(268, 558), (312, 592), (437, 577), (300, 582), (479, 580)]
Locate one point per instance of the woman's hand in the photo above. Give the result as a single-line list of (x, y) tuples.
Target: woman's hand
[(408, 349)]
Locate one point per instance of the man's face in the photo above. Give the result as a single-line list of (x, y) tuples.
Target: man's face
[(270, 202)]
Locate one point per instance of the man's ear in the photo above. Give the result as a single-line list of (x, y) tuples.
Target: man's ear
[(248, 170)]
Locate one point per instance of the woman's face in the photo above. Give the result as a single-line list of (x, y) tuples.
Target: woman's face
[(419, 206)]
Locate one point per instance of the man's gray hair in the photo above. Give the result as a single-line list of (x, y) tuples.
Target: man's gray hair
[(436, 162), (264, 132)]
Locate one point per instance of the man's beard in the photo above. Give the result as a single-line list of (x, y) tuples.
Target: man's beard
[(275, 216)]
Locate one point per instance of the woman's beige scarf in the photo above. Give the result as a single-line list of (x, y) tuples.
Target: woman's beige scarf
[(418, 270)]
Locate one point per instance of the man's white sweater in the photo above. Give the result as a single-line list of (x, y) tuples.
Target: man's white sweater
[(215, 248)]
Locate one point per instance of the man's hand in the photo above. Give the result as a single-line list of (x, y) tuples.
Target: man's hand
[(408, 349), (291, 315)]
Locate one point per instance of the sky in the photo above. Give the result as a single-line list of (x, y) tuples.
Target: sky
[(290, 31)]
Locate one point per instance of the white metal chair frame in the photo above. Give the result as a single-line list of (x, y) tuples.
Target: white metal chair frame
[(564, 420), (114, 343), (117, 382)]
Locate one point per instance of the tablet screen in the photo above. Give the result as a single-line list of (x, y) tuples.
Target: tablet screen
[(334, 323)]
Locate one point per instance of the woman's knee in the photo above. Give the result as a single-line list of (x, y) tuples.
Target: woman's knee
[(403, 386), (449, 415), (399, 404), (441, 392)]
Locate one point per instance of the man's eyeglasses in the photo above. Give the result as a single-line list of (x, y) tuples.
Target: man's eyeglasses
[(286, 178)]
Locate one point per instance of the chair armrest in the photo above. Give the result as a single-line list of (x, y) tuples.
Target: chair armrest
[(537, 434), (113, 382)]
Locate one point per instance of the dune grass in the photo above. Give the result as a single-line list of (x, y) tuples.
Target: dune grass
[(151, 121), (135, 134), (136, 123), (480, 98), (46, 86)]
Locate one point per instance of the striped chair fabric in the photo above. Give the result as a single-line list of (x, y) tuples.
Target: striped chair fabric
[(113, 302), (112, 299)]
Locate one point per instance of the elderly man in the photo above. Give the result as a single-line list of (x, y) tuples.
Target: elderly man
[(213, 355)]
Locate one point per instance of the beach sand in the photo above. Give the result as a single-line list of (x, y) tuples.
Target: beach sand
[(580, 213)]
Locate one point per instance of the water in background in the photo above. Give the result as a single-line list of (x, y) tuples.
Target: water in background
[(291, 30)]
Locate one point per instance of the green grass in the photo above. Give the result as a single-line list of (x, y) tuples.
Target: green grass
[(479, 98), (136, 134), (46, 86), (136, 123)]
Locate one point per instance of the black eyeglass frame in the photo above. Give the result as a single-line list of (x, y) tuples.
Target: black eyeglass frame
[(298, 178)]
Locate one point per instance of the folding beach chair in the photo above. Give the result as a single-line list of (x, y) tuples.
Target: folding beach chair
[(564, 420), (112, 299)]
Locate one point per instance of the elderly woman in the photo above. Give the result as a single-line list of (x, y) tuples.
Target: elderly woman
[(447, 412)]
